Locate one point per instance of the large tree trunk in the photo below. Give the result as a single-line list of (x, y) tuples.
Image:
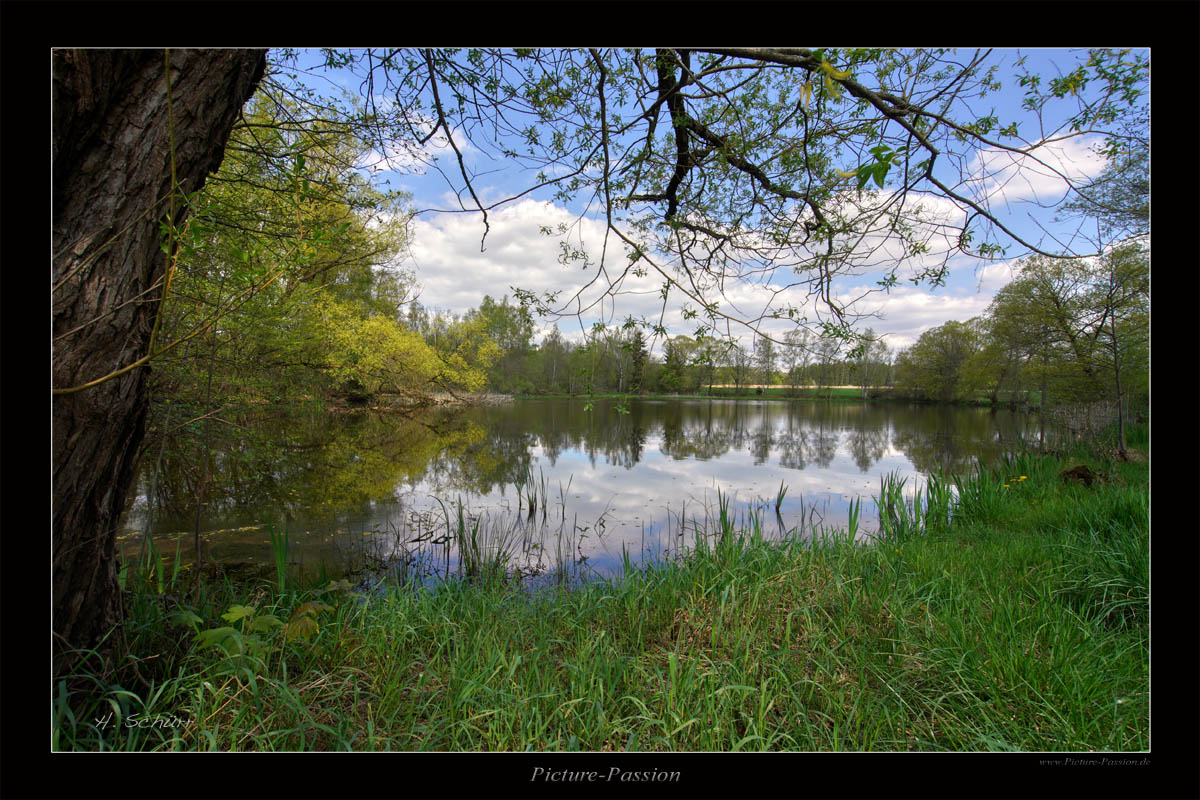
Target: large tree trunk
[(111, 150)]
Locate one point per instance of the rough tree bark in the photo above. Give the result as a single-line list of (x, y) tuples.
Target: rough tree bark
[(113, 130)]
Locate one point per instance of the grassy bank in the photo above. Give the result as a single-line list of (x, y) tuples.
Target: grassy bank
[(1019, 623)]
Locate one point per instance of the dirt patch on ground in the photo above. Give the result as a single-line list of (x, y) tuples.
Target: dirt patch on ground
[(1079, 474)]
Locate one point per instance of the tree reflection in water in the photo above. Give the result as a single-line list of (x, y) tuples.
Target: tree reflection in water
[(352, 475)]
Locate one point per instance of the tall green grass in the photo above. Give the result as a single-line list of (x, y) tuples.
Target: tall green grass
[(902, 517)]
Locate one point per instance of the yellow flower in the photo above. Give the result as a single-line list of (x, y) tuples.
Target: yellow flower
[(1022, 478)]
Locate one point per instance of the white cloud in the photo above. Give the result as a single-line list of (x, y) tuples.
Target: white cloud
[(907, 313), (1005, 177), (455, 275), (991, 278), (408, 156)]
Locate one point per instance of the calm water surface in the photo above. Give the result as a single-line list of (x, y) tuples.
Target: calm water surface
[(367, 488)]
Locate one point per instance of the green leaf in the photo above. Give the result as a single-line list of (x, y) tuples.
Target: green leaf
[(301, 627), (256, 647), (226, 637), (184, 617), (312, 607), (265, 622), (238, 612)]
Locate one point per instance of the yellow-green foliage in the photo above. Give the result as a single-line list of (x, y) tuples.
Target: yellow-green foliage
[(368, 463), (374, 351), (381, 355), (465, 362)]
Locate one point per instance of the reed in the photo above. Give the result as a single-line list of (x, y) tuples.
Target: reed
[(779, 495), (724, 520), (852, 518), (279, 550)]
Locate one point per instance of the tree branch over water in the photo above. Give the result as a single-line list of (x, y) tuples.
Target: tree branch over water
[(734, 167)]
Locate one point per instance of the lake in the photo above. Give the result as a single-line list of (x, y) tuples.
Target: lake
[(605, 483)]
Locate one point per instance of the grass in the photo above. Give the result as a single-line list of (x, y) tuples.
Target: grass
[(1015, 618)]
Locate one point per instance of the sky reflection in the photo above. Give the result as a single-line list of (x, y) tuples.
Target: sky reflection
[(607, 483)]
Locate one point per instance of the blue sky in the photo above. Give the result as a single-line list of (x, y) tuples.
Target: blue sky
[(455, 275)]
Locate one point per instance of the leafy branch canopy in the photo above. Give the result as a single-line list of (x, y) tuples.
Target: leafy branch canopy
[(786, 168)]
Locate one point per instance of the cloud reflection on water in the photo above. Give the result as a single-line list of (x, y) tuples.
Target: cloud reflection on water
[(626, 478)]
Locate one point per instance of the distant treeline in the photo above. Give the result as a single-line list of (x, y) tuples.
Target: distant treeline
[(1062, 333)]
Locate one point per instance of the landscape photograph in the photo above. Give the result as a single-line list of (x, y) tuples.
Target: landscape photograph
[(601, 400)]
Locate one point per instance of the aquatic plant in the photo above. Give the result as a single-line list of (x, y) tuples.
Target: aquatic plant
[(279, 549)]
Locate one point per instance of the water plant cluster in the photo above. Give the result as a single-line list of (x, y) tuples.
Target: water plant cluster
[(984, 617)]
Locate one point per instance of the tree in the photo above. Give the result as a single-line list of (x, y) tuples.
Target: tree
[(554, 352), (379, 356), (708, 354), (796, 355), (672, 377), (511, 328), (717, 167), (996, 364), (828, 355), (933, 366), (741, 360), (1119, 198), (872, 361), (135, 133), (1121, 292), (616, 359), (284, 226), (640, 354), (765, 355), (1048, 314)]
